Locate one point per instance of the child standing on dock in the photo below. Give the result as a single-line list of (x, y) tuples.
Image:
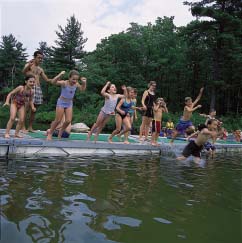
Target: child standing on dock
[(148, 100), (158, 108), (21, 96), (185, 122), (65, 102), (194, 147), (109, 91)]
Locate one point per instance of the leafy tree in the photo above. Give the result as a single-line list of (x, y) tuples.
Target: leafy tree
[(223, 30)]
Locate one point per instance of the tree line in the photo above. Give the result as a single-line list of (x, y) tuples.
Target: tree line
[(206, 52)]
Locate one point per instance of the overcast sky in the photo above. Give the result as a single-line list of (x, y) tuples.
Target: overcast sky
[(32, 21)]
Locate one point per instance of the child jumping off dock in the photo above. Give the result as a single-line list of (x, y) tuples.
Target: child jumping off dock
[(185, 122), (65, 101), (109, 91), (194, 147), (123, 116)]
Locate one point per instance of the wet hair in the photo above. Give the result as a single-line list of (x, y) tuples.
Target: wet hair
[(200, 127), (73, 72), (151, 83), (36, 53), (135, 90), (212, 110)]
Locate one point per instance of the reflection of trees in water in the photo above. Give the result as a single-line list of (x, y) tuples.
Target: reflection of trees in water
[(125, 184), (35, 199)]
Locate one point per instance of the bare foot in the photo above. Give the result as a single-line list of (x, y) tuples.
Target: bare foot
[(7, 135), (31, 130), (88, 136), (110, 140), (126, 142), (18, 136), (24, 131), (49, 137), (153, 144)]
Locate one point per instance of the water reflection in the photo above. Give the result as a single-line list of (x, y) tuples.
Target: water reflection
[(119, 200)]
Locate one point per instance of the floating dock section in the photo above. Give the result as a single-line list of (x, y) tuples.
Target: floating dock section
[(41, 147)]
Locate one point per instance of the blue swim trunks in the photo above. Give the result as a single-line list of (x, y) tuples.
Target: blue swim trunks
[(208, 146), (64, 103), (64, 134), (183, 125)]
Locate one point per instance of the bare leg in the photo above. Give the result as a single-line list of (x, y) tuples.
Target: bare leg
[(21, 114), (118, 128), (13, 112), (54, 124), (31, 119), (68, 118)]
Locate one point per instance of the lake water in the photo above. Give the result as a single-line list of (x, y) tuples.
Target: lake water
[(116, 199)]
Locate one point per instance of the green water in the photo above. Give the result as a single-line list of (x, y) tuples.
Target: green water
[(116, 199)]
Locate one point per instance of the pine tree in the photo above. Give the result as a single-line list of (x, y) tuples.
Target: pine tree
[(12, 59), (70, 44)]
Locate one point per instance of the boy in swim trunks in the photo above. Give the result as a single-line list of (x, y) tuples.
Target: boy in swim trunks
[(194, 147), (185, 122), (158, 108)]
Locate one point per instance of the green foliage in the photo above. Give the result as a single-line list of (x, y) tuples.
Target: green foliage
[(181, 60), (12, 59)]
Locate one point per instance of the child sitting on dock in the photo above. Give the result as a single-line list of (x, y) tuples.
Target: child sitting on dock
[(66, 133), (158, 108), (21, 96), (65, 102), (109, 92), (185, 122), (194, 147)]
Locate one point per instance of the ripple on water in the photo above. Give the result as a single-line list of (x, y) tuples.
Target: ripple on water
[(78, 197), (72, 181), (4, 199), (114, 222), (36, 203), (162, 220), (79, 174)]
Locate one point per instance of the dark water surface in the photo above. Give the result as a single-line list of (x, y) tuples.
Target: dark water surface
[(115, 199)]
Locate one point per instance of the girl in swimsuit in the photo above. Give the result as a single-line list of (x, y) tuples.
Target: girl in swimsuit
[(21, 96), (108, 110), (65, 102), (122, 116)]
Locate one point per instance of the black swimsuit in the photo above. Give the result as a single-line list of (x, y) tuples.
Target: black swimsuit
[(149, 102)]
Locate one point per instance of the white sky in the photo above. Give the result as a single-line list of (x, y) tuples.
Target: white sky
[(32, 21)]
